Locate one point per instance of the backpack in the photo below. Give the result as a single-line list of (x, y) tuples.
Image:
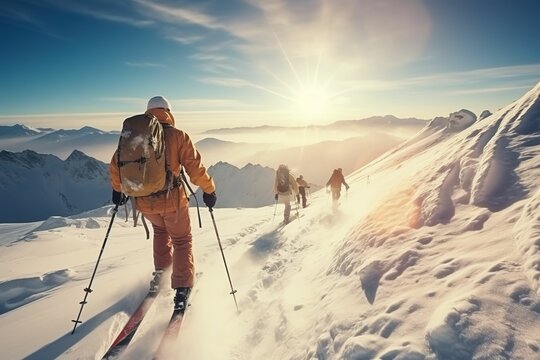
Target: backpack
[(141, 156), (282, 180)]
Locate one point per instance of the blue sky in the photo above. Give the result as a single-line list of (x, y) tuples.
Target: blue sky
[(69, 63)]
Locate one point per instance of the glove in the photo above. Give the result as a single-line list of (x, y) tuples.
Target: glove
[(210, 199), (276, 196), (118, 198), (297, 198)]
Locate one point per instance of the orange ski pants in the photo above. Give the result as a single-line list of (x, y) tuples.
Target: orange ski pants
[(173, 245)]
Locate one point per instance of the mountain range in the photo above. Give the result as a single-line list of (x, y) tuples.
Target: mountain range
[(17, 131), (387, 121), (101, 144), (249, 186), (35, 186), (245, 186)]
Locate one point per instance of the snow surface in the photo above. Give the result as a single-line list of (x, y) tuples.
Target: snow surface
[(435, 256)]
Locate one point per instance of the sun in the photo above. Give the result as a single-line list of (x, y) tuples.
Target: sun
[(311, 102)]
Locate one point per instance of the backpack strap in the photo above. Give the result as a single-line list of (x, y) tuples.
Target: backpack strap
[(145, 226), (135, 214)]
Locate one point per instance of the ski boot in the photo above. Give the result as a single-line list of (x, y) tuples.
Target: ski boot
[(181, 298), (154, 283)]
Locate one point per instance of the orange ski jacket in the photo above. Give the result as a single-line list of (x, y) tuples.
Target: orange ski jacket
[(336, 180)]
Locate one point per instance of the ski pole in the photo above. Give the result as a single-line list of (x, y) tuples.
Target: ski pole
[(88, 289), (224, 261), (275, 208)]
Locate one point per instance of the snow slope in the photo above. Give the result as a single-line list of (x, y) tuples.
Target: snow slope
[(434, 256)]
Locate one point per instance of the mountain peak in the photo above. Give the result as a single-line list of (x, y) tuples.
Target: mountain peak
[(484, 114), (24, 127), (223, 164), (17, 130), (89, 129), (77, 155)]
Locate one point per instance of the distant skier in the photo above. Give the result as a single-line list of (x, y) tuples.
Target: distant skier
[(285, 190), (335, 182), (302, 186), (141, 170)]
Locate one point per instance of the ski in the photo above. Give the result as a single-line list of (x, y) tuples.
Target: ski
[(291, 219), (123, 339), (170, 334)]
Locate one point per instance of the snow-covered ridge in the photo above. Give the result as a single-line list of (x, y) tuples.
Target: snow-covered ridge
[(97, 143), (484, 162), (36, 186), (380, 121), (481, 179), (18, 130), (374, 121), (249, 186)]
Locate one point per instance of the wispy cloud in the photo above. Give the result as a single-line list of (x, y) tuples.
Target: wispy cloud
[(507, 78), (16, 14), (143, 64), (107, 16), (22, 15), (183, 104), (185, 40), (224, 81), (208, 57), (175, 14), (55, 115), (124, 100), (471, 76), (208, 103), (219, 68), (238, 83), (103, 10), (117, 18), (490, 90)]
